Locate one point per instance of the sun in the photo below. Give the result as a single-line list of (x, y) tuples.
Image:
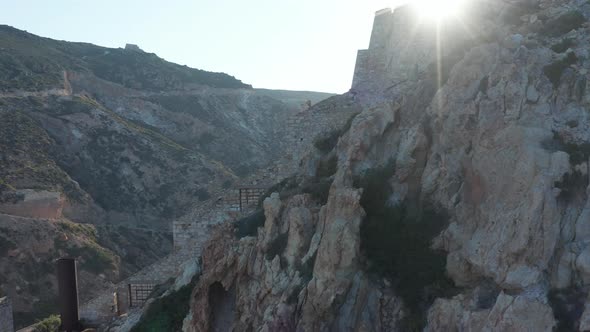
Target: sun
[(438, 9)]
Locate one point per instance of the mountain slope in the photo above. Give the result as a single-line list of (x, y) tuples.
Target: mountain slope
[(118, 140)]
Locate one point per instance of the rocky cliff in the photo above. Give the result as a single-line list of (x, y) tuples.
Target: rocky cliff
[(457, 200), (122, 142)]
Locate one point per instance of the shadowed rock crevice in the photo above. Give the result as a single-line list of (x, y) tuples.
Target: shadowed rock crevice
[(222, 304)]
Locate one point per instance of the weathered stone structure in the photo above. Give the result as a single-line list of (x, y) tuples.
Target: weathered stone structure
[(31, 203), (402, 48), (189, 235), (6, 322), (133, 47)]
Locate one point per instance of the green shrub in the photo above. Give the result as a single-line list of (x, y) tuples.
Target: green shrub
[(319, 189), (202, 194), (572, 184), (249, 225), (78, 229), (277, 246), (306, 269), (327, 167), (286, 188), (567, 305), (563, 24), (326, 142), (294, 295), (49, 324), (578, 153), (396, 241), (374, 181), (563, 45), (6, 244), (167, 313), (554, 70), (98, 260), (95, 259)]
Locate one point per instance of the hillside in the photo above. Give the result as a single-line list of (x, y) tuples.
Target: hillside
[(457, 200), (120, 141), (33, 63)]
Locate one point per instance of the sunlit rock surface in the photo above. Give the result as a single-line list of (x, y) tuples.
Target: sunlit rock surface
[(496, 133)]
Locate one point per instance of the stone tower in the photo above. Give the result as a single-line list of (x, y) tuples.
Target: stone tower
[(402, 47), (371, 62)]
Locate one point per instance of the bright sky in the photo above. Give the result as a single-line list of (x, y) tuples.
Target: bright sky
[(276, 44)]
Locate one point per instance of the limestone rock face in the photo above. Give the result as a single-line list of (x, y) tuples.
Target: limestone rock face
[(288, 290), (497, 135), (508, 314)]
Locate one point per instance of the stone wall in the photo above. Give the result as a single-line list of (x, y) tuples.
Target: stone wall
[(303, 128), (189, 236), (35, 204), (402, 48), (6, 322)]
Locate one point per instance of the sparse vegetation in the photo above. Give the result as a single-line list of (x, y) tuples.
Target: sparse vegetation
[(167, 313), (36, 63), (396, 241), (78, 229), (563, 45), (578, 153), (568, 306), (94, 258), (202, 194), (554, 70), (328, 141), (327, 167), (563, 24), (572, 184), (30, 146), (249, 225), (49, 324), (325, 143), (286, 188), (6, 244), (277, 246), (306, 269), (318, 188)]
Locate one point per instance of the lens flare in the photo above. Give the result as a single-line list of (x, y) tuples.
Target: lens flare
[(438, 9)]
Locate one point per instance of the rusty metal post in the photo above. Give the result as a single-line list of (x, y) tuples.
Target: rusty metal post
[(68, 294), (240, 197), (130, 296)]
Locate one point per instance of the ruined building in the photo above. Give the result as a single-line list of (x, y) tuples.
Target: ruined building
[(402, 47)]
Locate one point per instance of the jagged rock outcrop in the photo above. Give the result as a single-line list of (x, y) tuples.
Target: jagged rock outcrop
[(496, 137)]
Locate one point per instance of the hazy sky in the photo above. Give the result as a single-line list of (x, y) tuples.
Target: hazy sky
[(279, 44)]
